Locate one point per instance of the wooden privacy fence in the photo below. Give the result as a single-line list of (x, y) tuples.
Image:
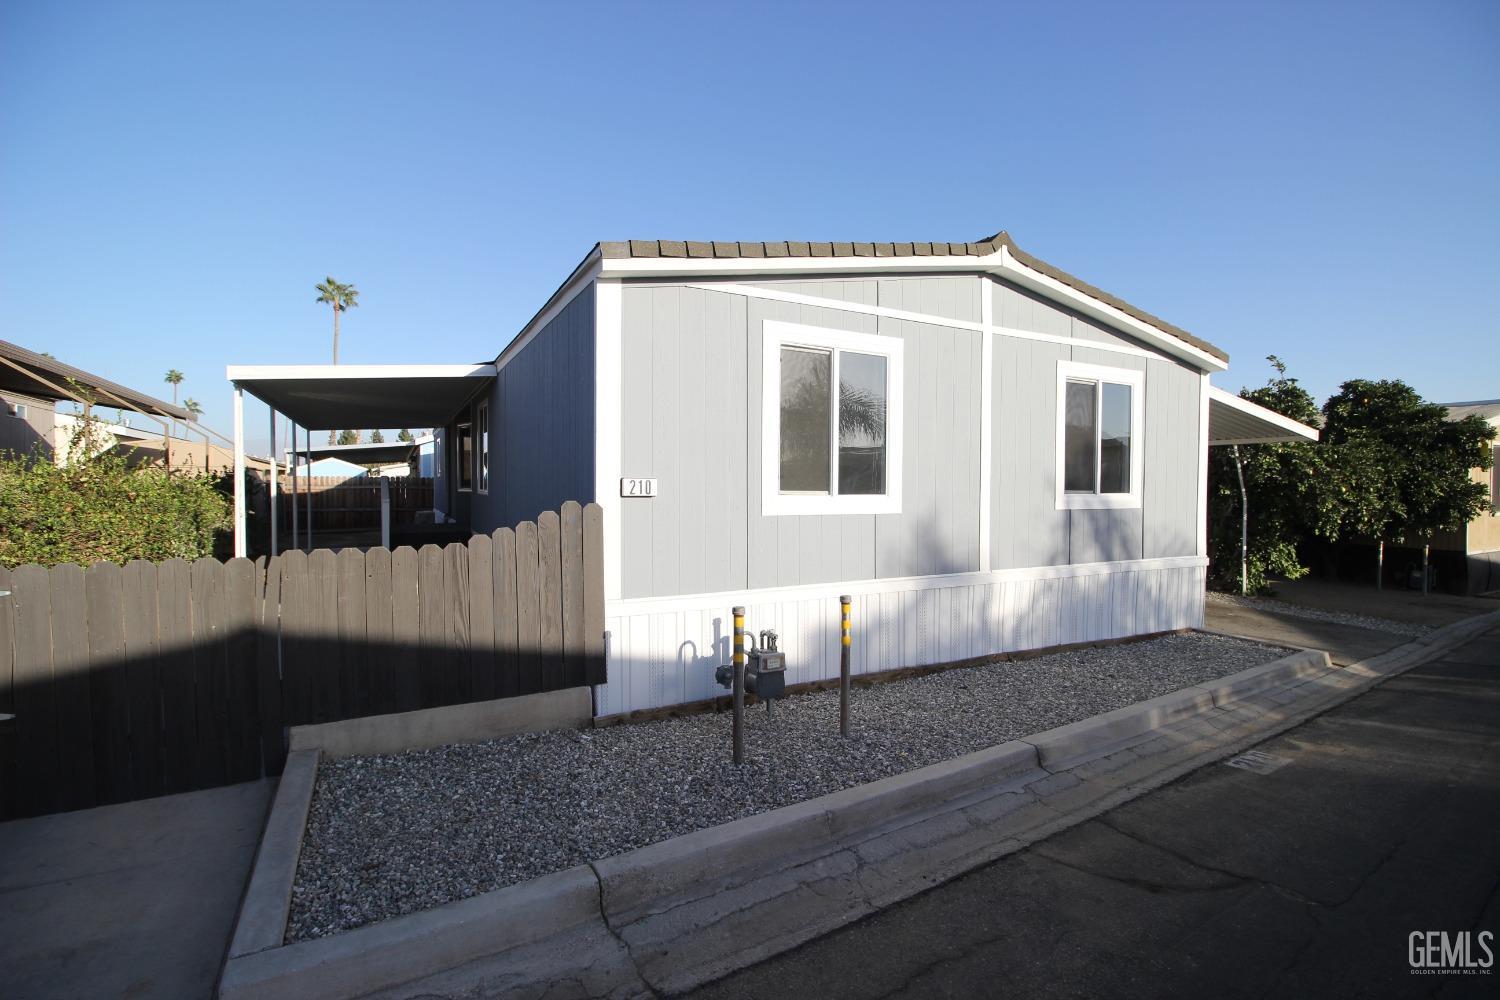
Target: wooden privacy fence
[(146, 679), (343, 504)]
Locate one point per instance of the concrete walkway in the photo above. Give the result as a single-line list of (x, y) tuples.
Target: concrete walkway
[(1305, 881), (134, 900)]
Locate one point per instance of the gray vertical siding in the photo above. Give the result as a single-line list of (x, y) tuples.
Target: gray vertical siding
[(1171, 498), (691, 416), (1026, 529), (542, 423)]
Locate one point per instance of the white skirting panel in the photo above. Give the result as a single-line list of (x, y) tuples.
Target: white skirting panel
[(663, 651)]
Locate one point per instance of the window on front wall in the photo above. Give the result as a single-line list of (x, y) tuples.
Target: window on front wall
[(1099, 436), (483, 419), (831, 419), (463, 461)]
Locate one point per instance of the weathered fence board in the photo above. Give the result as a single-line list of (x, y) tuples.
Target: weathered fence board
[(110, 687), (8, 794), (133, 681), (507, 655), (142, 672), (340, 504)]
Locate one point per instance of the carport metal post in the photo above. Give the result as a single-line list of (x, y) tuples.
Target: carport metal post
[(239, 471), (385, 512), (308, 432), (273, 476), (292, 455)]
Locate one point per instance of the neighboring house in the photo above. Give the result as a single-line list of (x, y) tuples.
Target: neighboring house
[(32, 384), (1012, 459), (27, 424), (1475, 549)]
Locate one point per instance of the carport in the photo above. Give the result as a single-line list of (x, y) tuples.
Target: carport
[(330, 397), (1234, 421)]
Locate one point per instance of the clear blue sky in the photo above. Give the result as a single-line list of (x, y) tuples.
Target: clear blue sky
[(1315, 180)]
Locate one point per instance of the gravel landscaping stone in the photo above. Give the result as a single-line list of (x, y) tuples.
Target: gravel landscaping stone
[(1276, 607), (393, 834)]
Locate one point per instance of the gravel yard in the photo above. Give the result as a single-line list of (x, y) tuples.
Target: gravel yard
[(392, 834), (1276, 607)]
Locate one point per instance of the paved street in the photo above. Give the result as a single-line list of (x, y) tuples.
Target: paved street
[(1301, 882)]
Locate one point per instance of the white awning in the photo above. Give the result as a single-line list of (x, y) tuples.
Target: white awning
[(1232, 420), (357, 397), (368, 453)]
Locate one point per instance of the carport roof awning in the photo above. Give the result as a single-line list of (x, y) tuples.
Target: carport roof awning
[(369, 453), (355, 397), (1232, 420)]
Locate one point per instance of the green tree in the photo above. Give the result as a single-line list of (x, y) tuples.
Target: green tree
[(348, 437), (193, 406), (1401, 466), (1278, 494), (405, 436), (377, 438)]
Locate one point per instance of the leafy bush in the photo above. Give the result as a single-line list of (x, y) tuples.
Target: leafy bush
[(100, 509)]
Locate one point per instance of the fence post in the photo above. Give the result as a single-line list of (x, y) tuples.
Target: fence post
[(385, 512)]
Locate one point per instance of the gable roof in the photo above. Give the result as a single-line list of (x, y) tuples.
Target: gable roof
[(687, 250), (1489, 409)]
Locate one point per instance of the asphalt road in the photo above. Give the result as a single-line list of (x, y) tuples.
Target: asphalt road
[(1305, 881)]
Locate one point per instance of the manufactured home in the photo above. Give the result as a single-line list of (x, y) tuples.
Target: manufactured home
[(986, 452)]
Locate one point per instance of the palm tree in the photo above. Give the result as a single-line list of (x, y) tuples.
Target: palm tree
[(193, 406), (342, 298), (174, 379)]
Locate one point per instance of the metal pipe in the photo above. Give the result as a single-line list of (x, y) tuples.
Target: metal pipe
[(292, 455), (1426, 548), (274, 509), (739, 685), (1239, 471), (1380, 565), (308, 526), (240, 546), (844, 602)]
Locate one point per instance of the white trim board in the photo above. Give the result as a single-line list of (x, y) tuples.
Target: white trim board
[(1000, 263), (893, 585), (797, 298), (272, 373), (986, 416)]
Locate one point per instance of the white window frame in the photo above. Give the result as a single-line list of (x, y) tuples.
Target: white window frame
[(1074, 371), (458, 456), (777, 334), (482, 448)]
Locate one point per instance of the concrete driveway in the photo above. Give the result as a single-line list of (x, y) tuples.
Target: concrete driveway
[(134, 900)]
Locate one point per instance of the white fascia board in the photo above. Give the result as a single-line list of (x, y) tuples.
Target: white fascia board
[(247, 373), (1298, 430), (657, 267), (999, 263), (1014, 270)]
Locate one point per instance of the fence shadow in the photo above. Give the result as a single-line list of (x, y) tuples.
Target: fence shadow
[(147, 679)]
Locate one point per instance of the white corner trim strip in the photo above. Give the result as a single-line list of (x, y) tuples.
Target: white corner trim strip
[(986, 415), (894, 585)]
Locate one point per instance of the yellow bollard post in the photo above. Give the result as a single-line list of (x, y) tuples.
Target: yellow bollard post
[(845, 601), (739, 684)]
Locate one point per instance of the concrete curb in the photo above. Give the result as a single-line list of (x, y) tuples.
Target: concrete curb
[(674, 915), (268, 897)]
